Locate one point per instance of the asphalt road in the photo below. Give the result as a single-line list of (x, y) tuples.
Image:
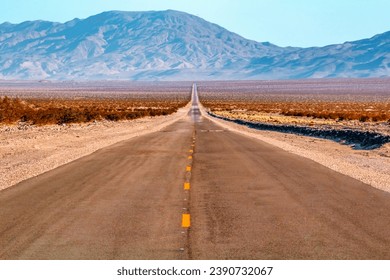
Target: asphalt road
[(193, 191)]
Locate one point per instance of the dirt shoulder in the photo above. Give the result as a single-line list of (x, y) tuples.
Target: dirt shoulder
[(27, 151), (369, 166), (382, 127)]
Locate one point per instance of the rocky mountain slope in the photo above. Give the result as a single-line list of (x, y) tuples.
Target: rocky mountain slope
[(171, 45)]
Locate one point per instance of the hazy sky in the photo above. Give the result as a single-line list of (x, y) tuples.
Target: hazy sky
[(283, 22)]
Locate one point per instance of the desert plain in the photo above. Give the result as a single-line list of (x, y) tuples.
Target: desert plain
[(95, 115)]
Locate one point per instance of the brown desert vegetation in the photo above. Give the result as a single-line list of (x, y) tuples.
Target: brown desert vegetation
[(61, 111), (317, 109), (311, 102)]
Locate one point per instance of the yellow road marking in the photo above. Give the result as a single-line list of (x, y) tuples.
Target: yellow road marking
[(191, 151), (188, 168), (187, 186), (186, 220), (189, 157)]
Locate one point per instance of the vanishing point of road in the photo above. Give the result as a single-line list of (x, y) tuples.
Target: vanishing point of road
[(193, 190)]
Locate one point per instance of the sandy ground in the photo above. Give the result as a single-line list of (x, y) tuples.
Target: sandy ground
[(369, 166), (27, 151)]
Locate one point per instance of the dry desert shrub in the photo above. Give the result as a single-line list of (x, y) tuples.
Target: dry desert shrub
[(62, 111), (333, 110)]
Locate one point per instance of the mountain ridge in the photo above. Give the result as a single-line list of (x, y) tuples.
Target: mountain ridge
[(172, 45)]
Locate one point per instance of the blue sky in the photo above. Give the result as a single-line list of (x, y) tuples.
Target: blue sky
[(300, 23)]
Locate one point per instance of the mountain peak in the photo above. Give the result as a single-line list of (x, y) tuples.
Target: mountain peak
[(171, 45)]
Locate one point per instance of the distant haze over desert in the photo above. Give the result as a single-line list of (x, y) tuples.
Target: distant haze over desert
[(172, 45)]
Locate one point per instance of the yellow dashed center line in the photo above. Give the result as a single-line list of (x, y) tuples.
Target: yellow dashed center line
[(186, 220)]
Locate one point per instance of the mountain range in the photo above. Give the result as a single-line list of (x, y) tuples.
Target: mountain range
[(172, 45)]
